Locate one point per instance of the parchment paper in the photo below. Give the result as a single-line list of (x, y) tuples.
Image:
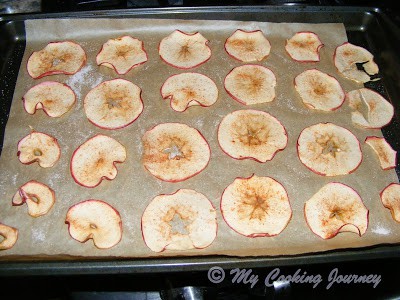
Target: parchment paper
[(134, 187)]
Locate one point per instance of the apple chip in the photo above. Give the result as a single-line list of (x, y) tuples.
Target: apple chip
[(38, 196), (122, 54), (319, 90), (346, 58), (39, 147), (328, 149), (336, 208), (96, 160), (304, 46), (174, 152), (189, 89), (54, 98), (256, 206), (8, 236), (183, 220), (56, 58), (251, 134), (248, 46), (184, 50), (251, 84), (385, 152), (390, 197), (96, 220), (371, 110)]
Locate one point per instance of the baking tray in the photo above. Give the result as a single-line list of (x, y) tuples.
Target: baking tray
[(368, 27)]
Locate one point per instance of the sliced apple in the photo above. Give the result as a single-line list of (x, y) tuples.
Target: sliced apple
[(251, 84), (328, 149), (336, 208), (54, 98), (251, 134), (113, 104), (9, 236), (256, 206), (38, 196), (96, 160), (346, 58), (39, 147), (304, 46), (56, 58), (390, 197), (96, 220), (385, 152), (122, 54), (174, 152), (371, 110), (189, 89), (319, 90), (183, 220), (248, 46), (184, 50)]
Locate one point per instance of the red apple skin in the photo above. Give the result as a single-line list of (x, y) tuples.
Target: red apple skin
[(319, 48), (36, 182), (378, 138), (380, 197)]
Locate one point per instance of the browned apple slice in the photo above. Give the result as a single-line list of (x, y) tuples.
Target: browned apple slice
[(113, 104), (371, 110), (256, 206), (251, 84), (122, 54), (56, 58), (319, 90), (328, 149), (54, 98), (304, 46), (346, 58), (96, 160), (188, 89), (248, 46), (183, 220), (385, 152), (251, 134), (175, 152), (96, 220), (336, 208), (38, 196), (8, 236), (39, 147), (390, 197)]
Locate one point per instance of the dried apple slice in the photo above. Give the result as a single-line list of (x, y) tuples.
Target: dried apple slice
[(385, 152), (54, 98), (248, 46), (113, 104), (56, 58), (336, 208), (372, 111), (304, 46), (9, 236), (328, 149), (183, 220), (174, 152), (38, 196), (39, 147), (256, 206), (346, 58), (122, 54), (96, 220), (96, 160), (390, 197), (251, 134), (184, 50), (319, 90), (188, 89), (251, 84)]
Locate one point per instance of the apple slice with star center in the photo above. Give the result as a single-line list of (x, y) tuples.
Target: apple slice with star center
[(8, 236)]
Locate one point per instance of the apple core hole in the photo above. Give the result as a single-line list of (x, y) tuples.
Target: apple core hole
[(56, 61), (92, 226), (113, 103), (2, 238), (174, 152), (178, 225), (37, 152), (34, 198)]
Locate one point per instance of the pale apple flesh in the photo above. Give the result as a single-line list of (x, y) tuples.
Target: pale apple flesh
[(8, 236), (96, 220), (386, 154), (390, 197), (304, 47), (184, 220)]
